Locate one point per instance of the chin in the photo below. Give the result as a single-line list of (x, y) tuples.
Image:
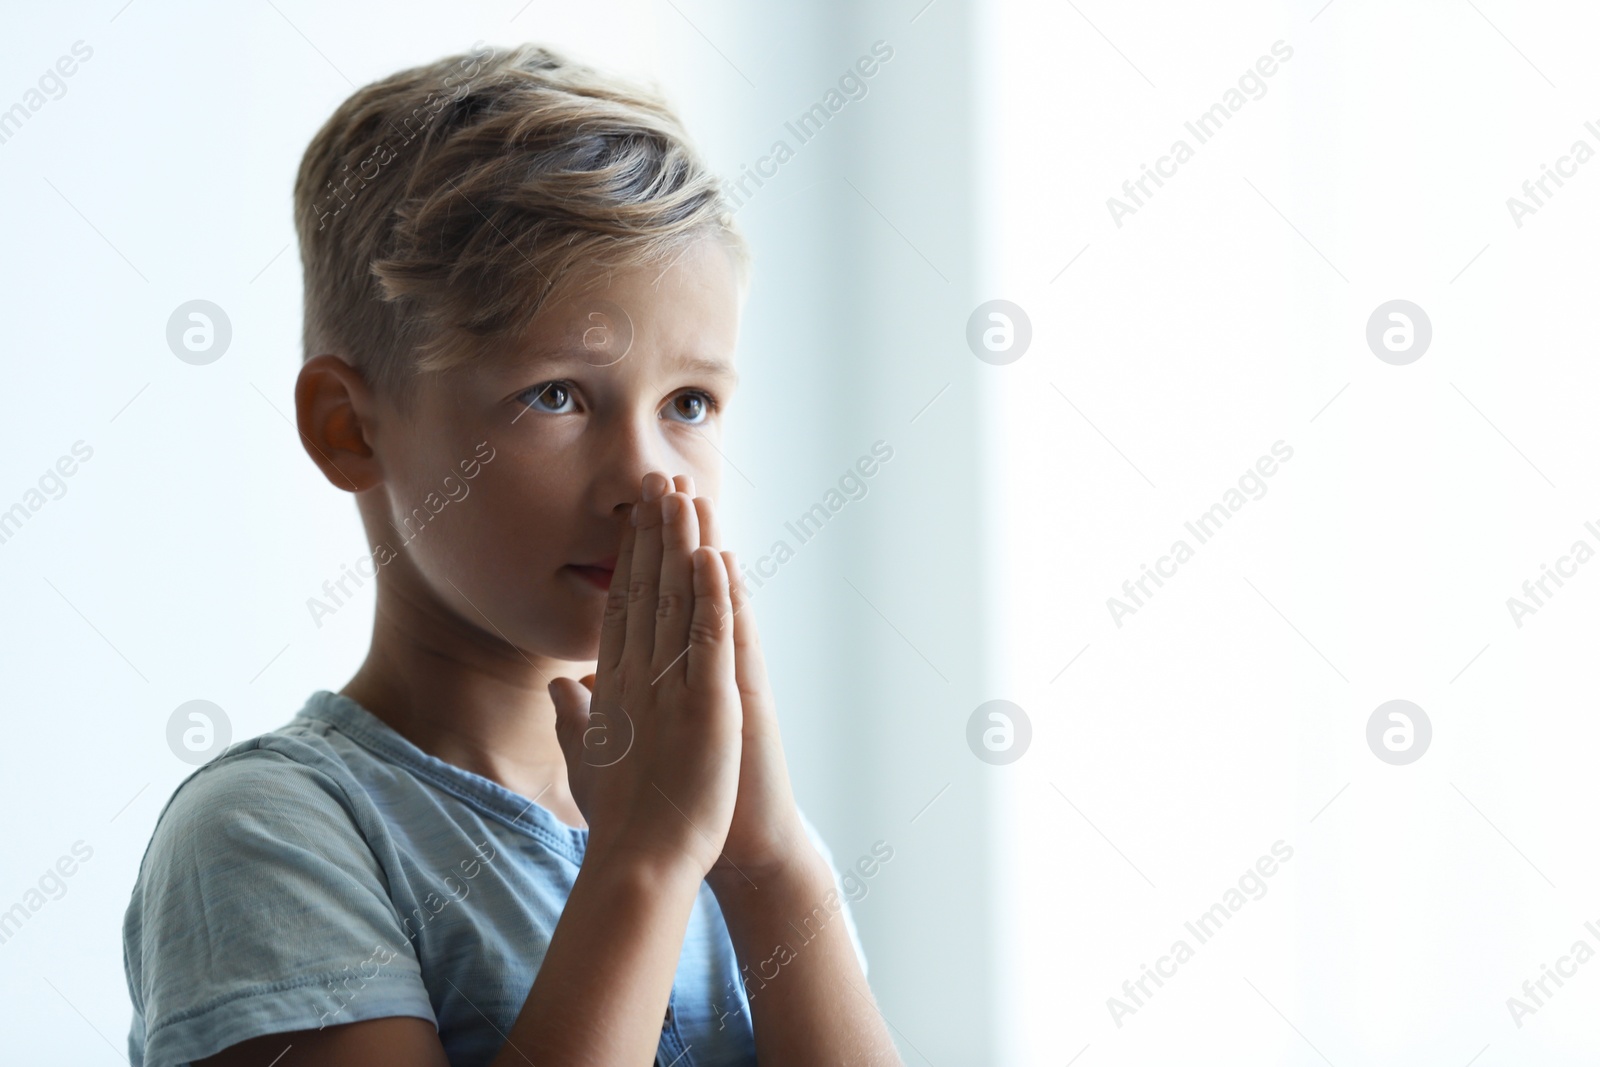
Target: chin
[(578, 642), (584, 649)]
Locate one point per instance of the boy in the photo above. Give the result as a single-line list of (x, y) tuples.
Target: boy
[(522, 302)]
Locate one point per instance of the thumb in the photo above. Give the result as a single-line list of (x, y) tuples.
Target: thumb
[(572, 718)]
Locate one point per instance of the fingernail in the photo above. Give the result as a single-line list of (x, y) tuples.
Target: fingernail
[(633, 517), (650, 491), (671, 506)]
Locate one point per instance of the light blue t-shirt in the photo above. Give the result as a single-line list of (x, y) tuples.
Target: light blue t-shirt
[(331, 871)]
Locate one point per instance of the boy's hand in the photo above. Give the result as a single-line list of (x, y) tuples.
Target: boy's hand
[(765, 839), (653, 752)]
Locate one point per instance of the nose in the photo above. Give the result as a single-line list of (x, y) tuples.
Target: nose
[(634, 448)]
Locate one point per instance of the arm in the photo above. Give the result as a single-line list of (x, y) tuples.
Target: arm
[(598, 998), (603, 987), (657, 821), (777, 893), (809, 1001)]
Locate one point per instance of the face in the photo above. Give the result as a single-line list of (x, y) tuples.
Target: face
[(506, 487)]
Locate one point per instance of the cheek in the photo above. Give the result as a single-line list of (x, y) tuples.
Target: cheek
[(494, 534), (485, 519), (515, 520), (497, 556), (706, 470)]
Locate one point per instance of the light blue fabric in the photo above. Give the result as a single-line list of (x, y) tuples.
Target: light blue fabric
[(330, 871)]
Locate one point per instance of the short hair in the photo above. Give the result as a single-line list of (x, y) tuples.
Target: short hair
[(439, 208)]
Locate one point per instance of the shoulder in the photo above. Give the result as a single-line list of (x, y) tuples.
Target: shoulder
[(266, 785), (260, 888), (275, 817)]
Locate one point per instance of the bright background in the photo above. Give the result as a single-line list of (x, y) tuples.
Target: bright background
[(1168, 353)]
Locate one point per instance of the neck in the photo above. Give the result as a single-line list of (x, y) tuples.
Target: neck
[(467, 697)]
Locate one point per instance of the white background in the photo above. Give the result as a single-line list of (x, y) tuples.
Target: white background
[(1167, 355), (1225, 715)]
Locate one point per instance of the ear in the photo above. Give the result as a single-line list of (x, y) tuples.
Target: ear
[(333, 410)]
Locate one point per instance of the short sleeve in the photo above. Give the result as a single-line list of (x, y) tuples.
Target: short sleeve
[(844, 900), (260, 908)]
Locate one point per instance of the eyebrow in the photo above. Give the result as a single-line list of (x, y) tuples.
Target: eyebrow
[(701, 364), (714, 367)]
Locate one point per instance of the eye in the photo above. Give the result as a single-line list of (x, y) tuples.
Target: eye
[(558, 393), (694, 405)]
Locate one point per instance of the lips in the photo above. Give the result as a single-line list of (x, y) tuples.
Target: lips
[(598, 573)]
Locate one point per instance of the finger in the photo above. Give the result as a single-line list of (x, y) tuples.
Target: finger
[(680, 536), (588, 682), (572, 719), (684, 483), (645, 579), (750, 666), (710, 661), (709, 534), (613, 625)]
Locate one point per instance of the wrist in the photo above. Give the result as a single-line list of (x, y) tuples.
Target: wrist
[(660, 871), (763, 914), (800, 872)]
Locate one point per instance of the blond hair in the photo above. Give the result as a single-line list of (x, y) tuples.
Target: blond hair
[(439, 208)]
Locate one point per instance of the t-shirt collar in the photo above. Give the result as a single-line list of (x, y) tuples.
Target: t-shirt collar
[(492, 798)]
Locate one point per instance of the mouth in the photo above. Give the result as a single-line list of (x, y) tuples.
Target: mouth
[(596, 574)]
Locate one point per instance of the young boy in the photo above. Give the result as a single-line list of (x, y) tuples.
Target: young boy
[(522, 301)]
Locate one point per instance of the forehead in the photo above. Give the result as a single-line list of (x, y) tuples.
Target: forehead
[(683, 313)]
